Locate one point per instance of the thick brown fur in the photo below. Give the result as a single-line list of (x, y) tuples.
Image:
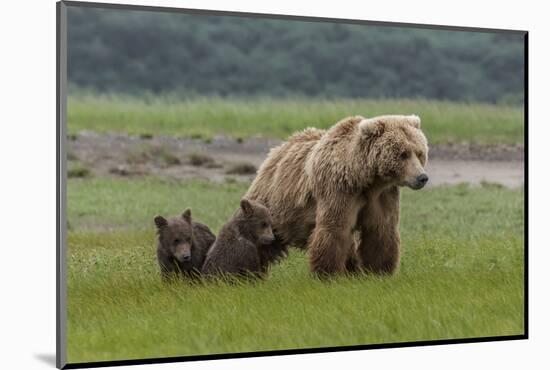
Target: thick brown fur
[(244, 246), (182, 245), (321, 186)]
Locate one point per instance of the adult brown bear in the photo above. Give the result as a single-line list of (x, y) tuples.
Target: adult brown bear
[(322, 185)]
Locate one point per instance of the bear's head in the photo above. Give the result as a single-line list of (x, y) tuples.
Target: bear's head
[(395, 150), (255, 222), (175, 236)]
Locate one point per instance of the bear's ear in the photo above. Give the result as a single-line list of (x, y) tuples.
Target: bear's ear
[(160, 222), (414, 121), (186, 215), (246, 206), (371, 126)]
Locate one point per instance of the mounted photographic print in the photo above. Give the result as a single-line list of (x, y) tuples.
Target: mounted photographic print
[(236, 185)]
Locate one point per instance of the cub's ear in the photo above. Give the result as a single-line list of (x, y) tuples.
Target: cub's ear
[(413, 120), (186, 215), (246, 206), (160, 222), (371, 126)]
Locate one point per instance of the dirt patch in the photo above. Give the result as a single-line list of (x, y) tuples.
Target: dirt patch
[(455, 171), (118, 155), (477, 152)]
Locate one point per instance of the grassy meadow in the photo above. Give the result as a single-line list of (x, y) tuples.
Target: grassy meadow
[(442, 122), (461, 273), (461, 276)]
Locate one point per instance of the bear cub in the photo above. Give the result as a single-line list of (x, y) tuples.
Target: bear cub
[(243, 244), (182, 245)]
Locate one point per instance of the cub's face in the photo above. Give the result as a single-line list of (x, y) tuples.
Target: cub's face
[(258, 221), (176, 236), (399, 150)]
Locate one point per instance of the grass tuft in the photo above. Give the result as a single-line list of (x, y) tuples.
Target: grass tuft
[(158, 154), (200, 159), (71, 155), (146, 135), (78, 170), (241, 168)]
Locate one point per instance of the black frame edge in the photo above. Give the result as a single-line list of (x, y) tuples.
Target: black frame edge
[(526, 182)]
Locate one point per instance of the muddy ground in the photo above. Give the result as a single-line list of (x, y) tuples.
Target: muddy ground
[(223, 158)]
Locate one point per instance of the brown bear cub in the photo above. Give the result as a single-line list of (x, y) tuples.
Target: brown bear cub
[(245, 245), (182, 245)]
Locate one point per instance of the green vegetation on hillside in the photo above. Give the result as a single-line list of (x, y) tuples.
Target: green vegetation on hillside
[(136, 51)]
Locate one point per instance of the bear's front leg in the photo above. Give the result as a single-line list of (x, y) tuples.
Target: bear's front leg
[(378, 221), (379, 250), (329, 244)]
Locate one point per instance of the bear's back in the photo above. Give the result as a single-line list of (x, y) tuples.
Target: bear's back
[(283, 168), (230, 252)]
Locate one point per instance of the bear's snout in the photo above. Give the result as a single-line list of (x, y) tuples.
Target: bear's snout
[(421, 181), (183, 257), (183, 254), (267, 239)]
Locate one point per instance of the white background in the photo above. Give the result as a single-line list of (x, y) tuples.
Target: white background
[(27, 145)]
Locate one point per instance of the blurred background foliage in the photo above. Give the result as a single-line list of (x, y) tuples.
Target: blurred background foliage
[(137, 53)]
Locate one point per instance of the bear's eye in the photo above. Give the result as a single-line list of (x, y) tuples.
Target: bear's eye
[(264, 224), (177, 241), (404, 155)]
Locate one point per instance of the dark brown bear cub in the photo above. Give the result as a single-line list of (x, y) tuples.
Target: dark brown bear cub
[(245, 245), (182, 245)]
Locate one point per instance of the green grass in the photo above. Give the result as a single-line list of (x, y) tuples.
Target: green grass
[(461, 276), (205, 117), (77, 169)]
